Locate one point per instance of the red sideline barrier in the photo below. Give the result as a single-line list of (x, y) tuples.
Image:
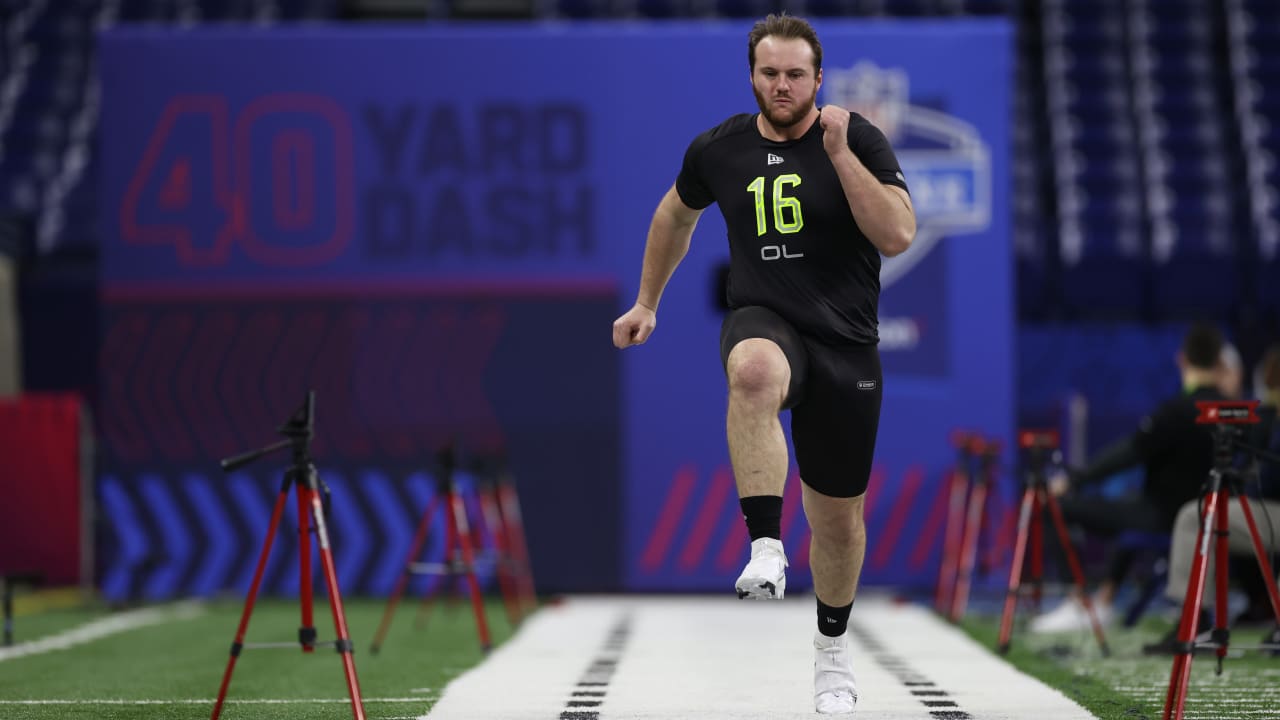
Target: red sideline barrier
[(45, 496)]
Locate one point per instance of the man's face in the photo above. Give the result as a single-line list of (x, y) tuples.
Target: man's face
[(783, 81)]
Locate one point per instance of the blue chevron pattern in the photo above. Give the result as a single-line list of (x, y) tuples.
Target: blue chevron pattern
[(188, 380), (185, 534)]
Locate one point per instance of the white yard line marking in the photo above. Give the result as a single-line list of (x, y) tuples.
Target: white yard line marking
[(721, 659), (539, 668), (98, 629)]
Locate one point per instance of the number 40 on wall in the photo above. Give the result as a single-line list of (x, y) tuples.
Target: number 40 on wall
[(278, 182)]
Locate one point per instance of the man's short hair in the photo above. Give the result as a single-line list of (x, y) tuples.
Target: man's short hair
[(786, 27), (1202, 346)]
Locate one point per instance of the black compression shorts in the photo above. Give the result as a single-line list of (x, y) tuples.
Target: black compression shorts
[(834, 398)]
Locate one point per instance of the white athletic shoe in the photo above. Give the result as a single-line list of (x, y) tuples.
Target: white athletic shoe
[(765, 576), (834, 690)]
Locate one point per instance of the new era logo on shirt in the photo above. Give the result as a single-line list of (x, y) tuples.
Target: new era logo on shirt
[(774, 159)]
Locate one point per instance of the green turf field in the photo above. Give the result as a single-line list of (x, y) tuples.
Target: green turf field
[(1130, 686), (172, 669)]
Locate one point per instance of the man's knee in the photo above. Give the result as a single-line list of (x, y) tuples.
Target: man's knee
[(758, 371), (1188, 519), (839, 523), (846, 533)]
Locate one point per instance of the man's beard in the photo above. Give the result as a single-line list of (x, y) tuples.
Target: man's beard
[(799, 110)]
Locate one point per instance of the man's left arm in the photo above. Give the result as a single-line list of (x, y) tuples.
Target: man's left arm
[(883, 212)]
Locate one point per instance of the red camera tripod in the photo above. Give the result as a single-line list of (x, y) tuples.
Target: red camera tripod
[(299, 431), (966, 511), (1039, 448), (1224, 480)]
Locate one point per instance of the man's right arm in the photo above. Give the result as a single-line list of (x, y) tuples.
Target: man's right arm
[(1154, 437), (1117, 457), (669, 234)]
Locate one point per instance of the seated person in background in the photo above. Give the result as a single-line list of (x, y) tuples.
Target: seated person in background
[(1176, 455), (1231, 381), (1264, 503)]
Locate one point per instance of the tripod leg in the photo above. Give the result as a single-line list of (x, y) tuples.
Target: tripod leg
[(444, 581), (991, 538), (513, 522), (951, 543), (1180, 674), (1015, 570), (419, 538), (238, 644), (1260, 553), (470, 532), (6, 589), (1037, 549), (461, 530), (343, 643), (503, 567), (1076, 572), (306, 631), (969, 549), (1221, 635)]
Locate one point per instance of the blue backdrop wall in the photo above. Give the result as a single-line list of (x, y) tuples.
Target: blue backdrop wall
[(434, 228)]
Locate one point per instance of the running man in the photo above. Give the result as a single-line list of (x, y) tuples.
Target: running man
[(811, 198)]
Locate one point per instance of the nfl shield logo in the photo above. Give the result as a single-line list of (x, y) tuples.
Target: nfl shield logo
[(877, 94)]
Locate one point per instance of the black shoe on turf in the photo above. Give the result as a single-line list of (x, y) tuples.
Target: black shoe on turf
[(1168, 645)]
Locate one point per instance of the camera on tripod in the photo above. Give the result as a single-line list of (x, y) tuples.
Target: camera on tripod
[(1228, 412), (1042, 451), (1229, 419)]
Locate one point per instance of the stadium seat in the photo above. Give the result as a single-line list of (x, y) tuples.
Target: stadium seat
[(744, 8), (987, 7), (909, 8), (307, 9), (663, 9), (1107, 281), (580, 9), (833, 8)]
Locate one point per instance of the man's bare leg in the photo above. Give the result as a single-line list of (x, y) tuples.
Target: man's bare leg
[(836, 550), (758, 379), (759, 376), (837, 547)]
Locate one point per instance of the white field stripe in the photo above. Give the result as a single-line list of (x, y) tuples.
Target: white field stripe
[(98, 629), (537, 668), (210, 701), (723, 659)]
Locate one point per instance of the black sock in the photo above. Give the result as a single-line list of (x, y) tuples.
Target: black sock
[(833, 621), (763, 514)]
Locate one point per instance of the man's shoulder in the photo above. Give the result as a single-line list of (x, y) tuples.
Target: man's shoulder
[(1204, 393), (734, 126), (1184, 403), (858, 121), (863, 130)]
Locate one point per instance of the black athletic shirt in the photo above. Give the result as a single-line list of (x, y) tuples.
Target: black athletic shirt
[(1175, 452), (793, 244)]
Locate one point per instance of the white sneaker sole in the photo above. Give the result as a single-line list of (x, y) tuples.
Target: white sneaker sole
[(758, 589), (836, 705)]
